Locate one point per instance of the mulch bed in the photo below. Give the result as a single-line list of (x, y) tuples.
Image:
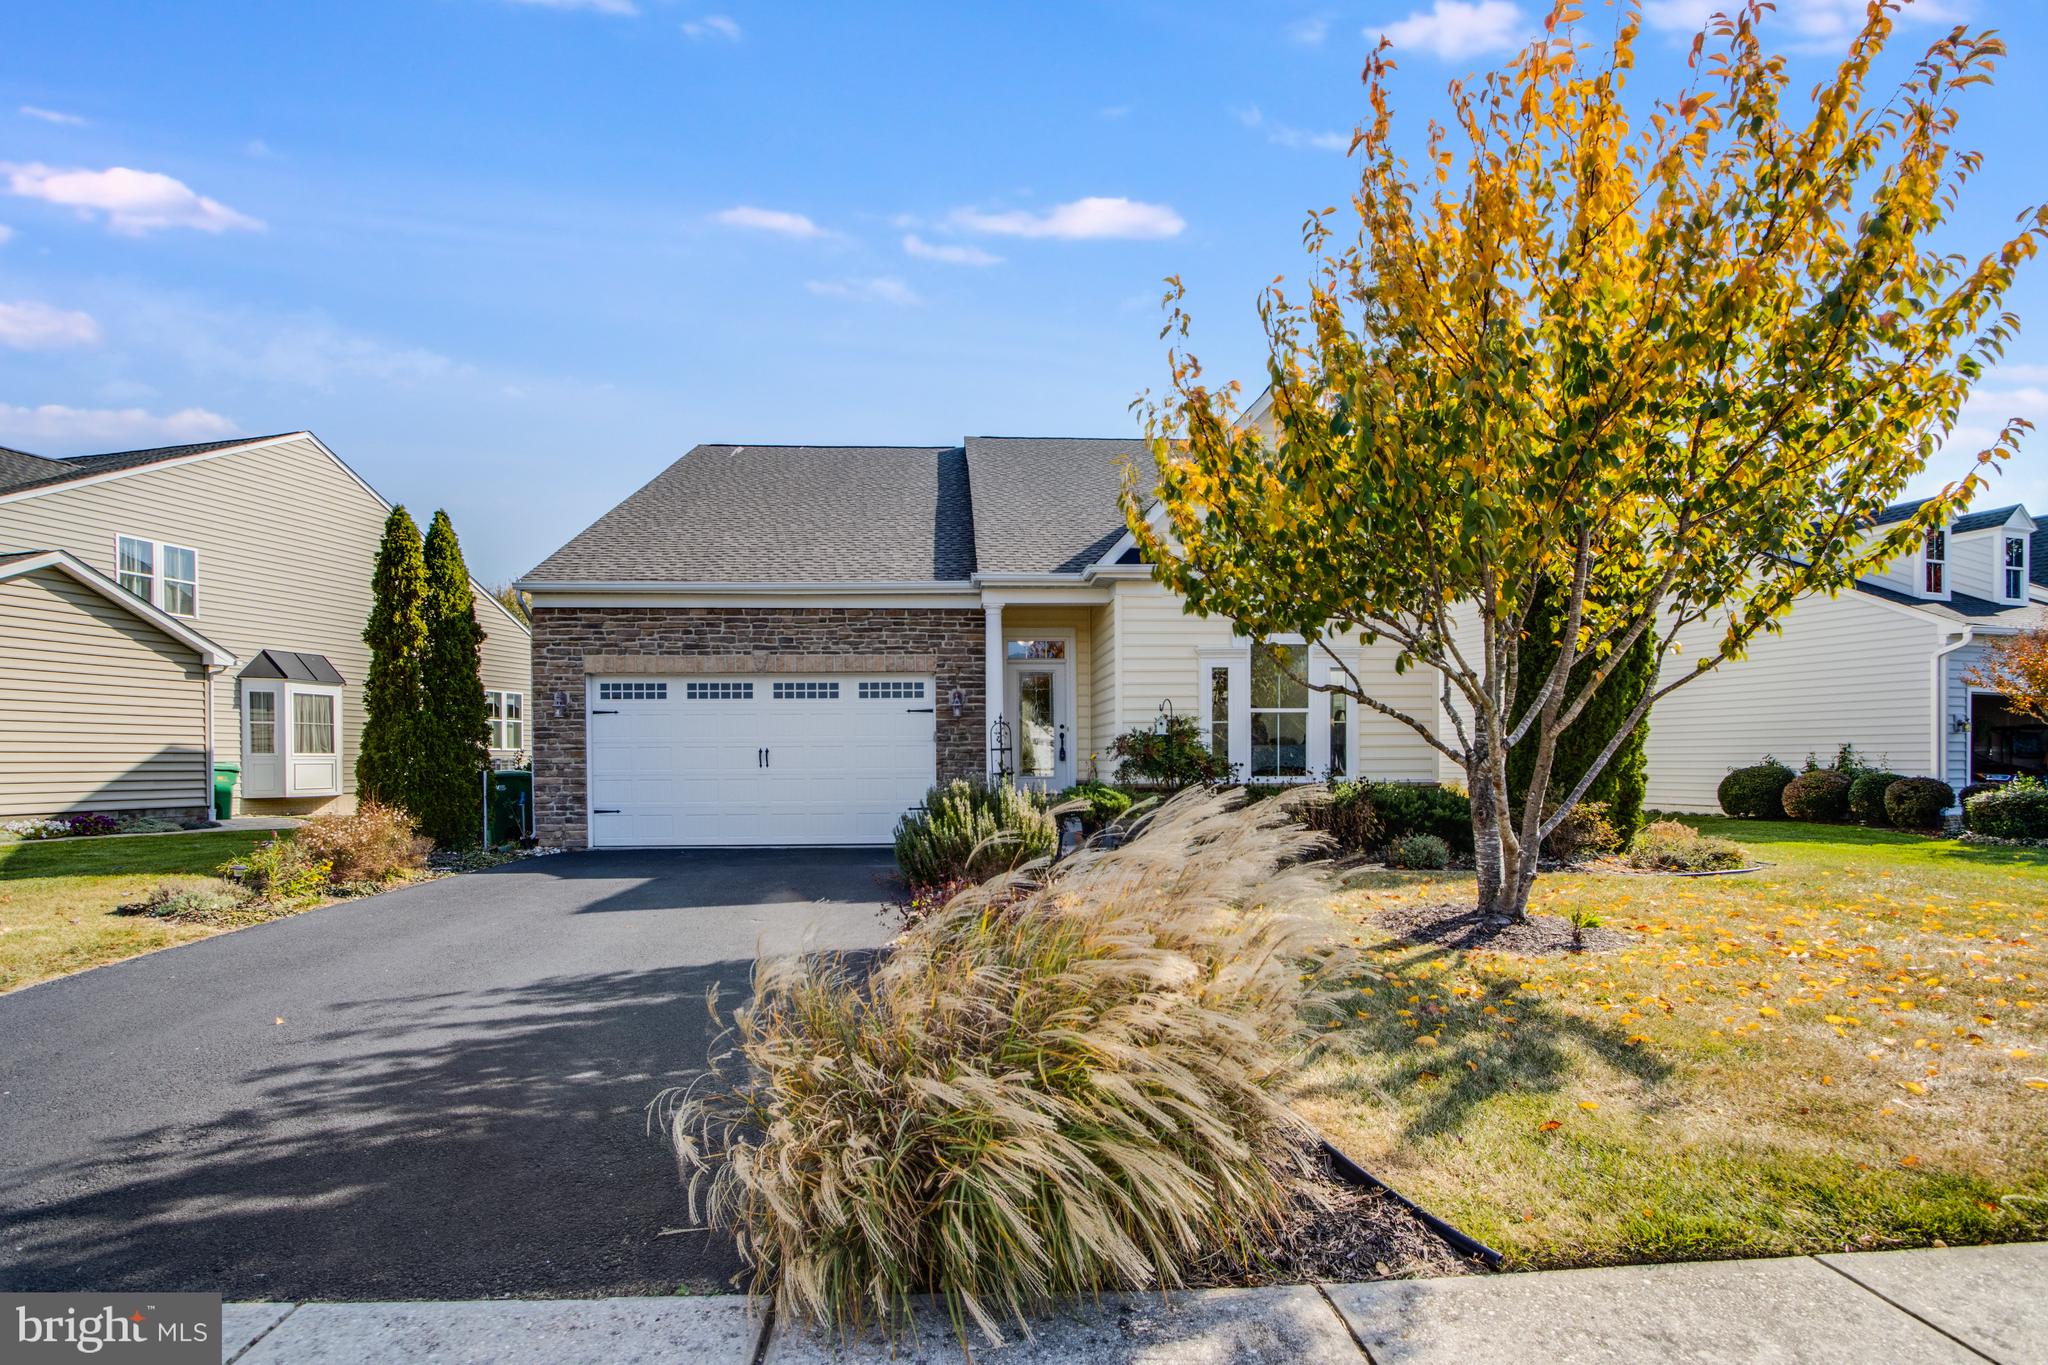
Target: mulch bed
[(1338, 1233), (1459, 925)]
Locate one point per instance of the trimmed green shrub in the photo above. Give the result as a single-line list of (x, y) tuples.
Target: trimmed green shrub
[(1623, 783), (1669, 846), (1866, 796), (1419, 853), (1756, 792), (2012, 810), (149, 824), (1177, 757), (280, 869), (1406, 808), (1918, 802), (1822, 794), (1105, 803), (972, 830), (1035, 1097)]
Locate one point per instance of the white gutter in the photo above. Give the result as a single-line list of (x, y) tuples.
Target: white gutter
[(206, 782), (1938, 730), (933, 587)]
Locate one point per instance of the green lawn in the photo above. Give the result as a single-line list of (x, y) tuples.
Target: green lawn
[(1845, 1050), (57, 898)]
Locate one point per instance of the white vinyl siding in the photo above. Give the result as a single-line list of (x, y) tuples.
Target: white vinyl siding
[(1157, 659), (1845, 670), (102, 711), (285, 540)]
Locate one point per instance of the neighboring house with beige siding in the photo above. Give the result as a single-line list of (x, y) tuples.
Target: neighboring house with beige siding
[(790, 644), (1883, 667), (104, 697), (263, 547)]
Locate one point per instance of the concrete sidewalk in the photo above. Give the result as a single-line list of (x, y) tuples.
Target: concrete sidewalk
[(1966, 1304)]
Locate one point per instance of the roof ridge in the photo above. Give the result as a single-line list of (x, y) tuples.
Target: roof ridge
[(815, 445)]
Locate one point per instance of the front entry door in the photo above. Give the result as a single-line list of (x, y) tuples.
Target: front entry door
[(1039, 704)]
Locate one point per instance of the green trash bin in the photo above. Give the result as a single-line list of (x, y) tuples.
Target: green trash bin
[(224, 775), (508, 806)]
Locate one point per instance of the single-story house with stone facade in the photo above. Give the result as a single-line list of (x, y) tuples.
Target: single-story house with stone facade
[(790, 644), (783, 645)]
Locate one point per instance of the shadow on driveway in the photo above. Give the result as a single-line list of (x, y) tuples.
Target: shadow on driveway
[(452, 1106)]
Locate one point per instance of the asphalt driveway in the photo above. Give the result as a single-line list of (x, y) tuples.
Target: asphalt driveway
[(435, 1093)]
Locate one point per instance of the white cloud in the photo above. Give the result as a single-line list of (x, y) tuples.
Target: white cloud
[(712, 26), (1083, 219), (1451, 29), (304, 350), (1308, 32), (1807, 26), (54, 116), (778, 221), (257, 148), (953, 253), (134, 202), (624, 8), (53, 424), (879, 289), (1280, 134), (6, 234), (33, 326)]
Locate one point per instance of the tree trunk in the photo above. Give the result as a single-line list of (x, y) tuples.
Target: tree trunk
[(1487, 845)]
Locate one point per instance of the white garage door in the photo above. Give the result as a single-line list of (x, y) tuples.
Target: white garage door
[(759, 759)]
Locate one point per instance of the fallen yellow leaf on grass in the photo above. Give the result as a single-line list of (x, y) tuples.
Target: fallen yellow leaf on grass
[(1766, 1011), (1914, 1086), (1633, 1039), (1589, 1104), (1909, 1161), (2037, 1083), (1549, 1126)]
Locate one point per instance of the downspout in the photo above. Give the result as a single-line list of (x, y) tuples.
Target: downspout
[(1938, 731), (206, 778)]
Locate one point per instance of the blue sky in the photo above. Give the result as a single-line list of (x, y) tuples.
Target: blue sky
[(511, 257)]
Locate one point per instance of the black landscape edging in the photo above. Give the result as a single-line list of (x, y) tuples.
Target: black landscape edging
[(1460, 1242)]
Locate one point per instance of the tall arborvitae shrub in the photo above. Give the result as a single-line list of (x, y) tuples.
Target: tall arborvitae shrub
[(1622, 784), (387, 767), (455, 729)]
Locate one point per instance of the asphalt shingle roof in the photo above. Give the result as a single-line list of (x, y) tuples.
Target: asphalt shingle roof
[(1985, 520), (1046, 504), (19, 467), (2037, 557), (784, 514), (49, 471), (1959, 605)]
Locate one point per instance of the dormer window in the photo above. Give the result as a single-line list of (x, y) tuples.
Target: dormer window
[(2013, 568), (1935, 574)]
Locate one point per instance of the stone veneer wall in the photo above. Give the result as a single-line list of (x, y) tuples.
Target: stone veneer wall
[(571, 643)]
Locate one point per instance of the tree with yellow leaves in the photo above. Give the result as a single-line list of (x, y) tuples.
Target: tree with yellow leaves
[(2016, 667), (1669, 367)]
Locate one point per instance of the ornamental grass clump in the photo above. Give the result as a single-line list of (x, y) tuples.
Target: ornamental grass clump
[(1050, 1087)]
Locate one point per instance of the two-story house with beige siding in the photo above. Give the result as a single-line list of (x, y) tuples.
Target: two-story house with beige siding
[(165, 610)]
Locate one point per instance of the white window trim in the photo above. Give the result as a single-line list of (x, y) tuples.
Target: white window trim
[(1238, 658), (1929, 560), (499, 723), (157, 575), (2005, 541)]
